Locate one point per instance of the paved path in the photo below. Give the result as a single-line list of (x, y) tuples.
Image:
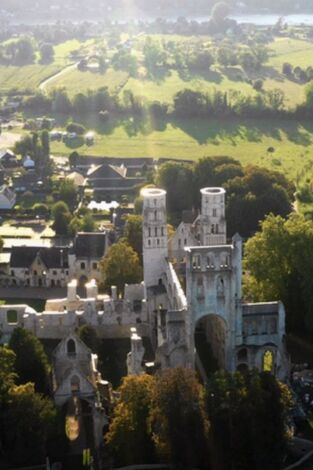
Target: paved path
[(49, 80), (32, 293)]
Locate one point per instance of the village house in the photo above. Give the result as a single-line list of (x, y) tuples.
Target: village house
[(7, 197)]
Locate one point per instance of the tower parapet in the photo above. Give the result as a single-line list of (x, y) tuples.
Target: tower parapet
[(213, 222)]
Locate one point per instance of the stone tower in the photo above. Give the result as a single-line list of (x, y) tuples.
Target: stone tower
[(213, 222), (155, 248)]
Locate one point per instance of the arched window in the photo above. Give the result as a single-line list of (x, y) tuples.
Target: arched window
[(268, 361), (71, 347), (155, 215)]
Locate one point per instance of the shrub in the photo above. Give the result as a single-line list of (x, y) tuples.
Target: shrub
[(75, 127)]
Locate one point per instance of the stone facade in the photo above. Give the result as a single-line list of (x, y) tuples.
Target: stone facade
[(240, 335), (173, 307), (76, 381)]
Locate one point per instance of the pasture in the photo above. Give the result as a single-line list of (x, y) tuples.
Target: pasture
[(166, 83), (245, 140)]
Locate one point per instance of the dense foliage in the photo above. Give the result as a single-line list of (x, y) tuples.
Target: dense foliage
[(234, 422), (120, 266), (31, 363), (252, 192), (279, 260), (29, 422)]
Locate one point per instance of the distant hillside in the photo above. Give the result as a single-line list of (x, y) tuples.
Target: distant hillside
[(152, 7)]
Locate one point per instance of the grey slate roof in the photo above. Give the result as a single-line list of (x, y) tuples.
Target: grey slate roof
[(53, 257), (89, 245)]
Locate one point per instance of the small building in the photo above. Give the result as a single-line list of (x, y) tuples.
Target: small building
[(87, 252), (8, 159), (111, 180), (39, 266), (7, 198)]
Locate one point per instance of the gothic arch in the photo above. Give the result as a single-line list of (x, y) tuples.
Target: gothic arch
[(211, 335)]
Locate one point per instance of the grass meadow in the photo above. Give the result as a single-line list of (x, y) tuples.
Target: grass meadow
[(245, 140)]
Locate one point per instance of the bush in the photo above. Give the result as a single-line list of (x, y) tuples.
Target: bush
[(75, 127), (258, 84)]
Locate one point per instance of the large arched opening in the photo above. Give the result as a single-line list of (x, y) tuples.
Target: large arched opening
[(210, 342)]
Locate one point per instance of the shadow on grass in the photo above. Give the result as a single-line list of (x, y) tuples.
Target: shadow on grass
[(215, 131), (209, 75)]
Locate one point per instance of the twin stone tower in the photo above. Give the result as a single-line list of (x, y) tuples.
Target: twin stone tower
[(201, 298)]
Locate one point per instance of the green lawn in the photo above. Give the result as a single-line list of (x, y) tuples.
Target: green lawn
[(246, 140), (76, 81)]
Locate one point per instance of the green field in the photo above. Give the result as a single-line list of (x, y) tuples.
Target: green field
[(164, 86), (29, 77), (25, 78), (245, 140), (80, 82)]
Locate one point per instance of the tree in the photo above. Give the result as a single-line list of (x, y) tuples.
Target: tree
[(120, 266), (175, 178), (124, 60), (29, 419), (309, 96), (254, 195), (60, 101), (89, 336), (46, 53), (213, 171), (129, 437), (62, 217), (220, 11), (88, 223), (178, 419), (287, 69), (254, 402), (258, 84), (31, 363), (75, 127), (7, 374), (68, 193), (154, 55), (133, 233), (279, 260), (201, 60), (73, 159)]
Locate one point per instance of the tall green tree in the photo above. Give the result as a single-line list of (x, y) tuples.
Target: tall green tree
[(129, 437), (133, 232), (7, 373), (31, 363), (178, 418), (248, 415), (62, 218), (120, 266), (176, 178), (279, 263), (29, 419)]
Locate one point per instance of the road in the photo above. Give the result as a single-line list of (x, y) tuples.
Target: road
[(64, 71)]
